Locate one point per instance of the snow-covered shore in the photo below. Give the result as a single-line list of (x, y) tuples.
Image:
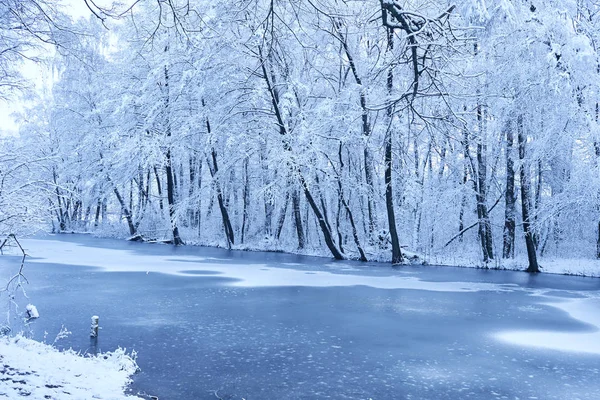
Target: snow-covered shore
[(39, 371)]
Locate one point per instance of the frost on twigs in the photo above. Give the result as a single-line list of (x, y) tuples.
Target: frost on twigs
[(9, 243), (14, 285)]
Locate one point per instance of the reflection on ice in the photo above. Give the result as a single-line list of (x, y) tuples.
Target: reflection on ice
[(588, 341)]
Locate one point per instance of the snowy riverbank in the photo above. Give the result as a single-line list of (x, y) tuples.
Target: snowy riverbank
[(551, 264), (39, 371), (579, 265)]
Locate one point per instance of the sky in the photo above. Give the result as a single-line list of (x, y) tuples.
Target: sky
[(38, 75)]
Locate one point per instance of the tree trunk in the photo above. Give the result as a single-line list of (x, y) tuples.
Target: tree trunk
[(268, 205), (531, 252), (337, 254), (344, 202), (537, 203), (97, 216), (389, 193), (366, 131), (295, 171), (62, 226), (485, 227), (198, 213), (508, 249), (597, 151), (126, 212), (171, 200), (191, 213), (598, 242), (158, 188), (214, 169), (298, 218), (169, 169), (282, 215), (245, 200)]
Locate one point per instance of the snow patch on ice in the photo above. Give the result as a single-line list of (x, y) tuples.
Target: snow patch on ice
[(241, 275), (586, 310)]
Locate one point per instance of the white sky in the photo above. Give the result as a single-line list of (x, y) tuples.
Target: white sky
[(38, 75)]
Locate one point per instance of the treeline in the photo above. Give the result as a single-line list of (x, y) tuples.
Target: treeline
[(368, 130)]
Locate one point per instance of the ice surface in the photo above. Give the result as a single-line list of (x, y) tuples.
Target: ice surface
[(266, 325), (585, 310), (243, 275)]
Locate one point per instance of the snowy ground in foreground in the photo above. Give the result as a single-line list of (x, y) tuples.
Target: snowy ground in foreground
[(39, 371)]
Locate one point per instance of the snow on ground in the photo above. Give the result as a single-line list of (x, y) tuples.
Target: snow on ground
[(584, 310), (244, 275), (38, 371), (549, 265)]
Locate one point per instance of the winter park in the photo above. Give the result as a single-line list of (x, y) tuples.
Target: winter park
[(299, 199)]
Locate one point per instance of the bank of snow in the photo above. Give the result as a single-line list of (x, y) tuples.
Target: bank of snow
[(39, 371), (551, 264)]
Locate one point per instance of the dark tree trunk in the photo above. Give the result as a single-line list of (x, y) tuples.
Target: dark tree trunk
[(86, 216), (298, 218), (368, 159), (597, 151), (62, 225), (76, 213), (338, 214), (97, 216), (598, 242), (531, 252), (126, 212), (366, 131), (389, 193), (131, 196), (337, 254), (104, 209), (246, 199), (463, 203), (191, 213), (295, 171), (268, 206), (214, 169), (344, 202), (198, 213), (485, 227), (282, 215), (508, 249), (324, 206), (171, 200), (169, 170), (158, 188), (537, 203)]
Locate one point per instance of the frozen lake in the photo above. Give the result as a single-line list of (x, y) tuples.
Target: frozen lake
[(211, 323)]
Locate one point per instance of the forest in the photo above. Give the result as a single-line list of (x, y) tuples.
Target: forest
[(386, 130)]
